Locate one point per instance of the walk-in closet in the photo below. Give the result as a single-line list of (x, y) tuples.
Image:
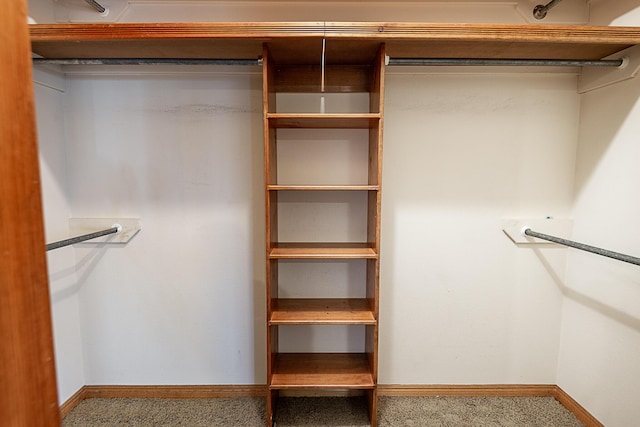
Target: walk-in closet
[(322, 198)]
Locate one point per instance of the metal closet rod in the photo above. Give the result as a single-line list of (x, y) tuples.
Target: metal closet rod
[(97, 6), (146, 61), (588, 248), (116, 228), (390, 61), (508, 62)]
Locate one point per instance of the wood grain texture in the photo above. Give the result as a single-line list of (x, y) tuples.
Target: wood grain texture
[(464, 390), (271, 217), (347, 42), (303, 187), (322, 311), (321, 251), (372, 403), (72, 402), (213, 391), (322, 370), (27, 370), (574, 407)]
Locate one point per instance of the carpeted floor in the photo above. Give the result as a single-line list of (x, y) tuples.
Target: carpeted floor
[(325, 411)]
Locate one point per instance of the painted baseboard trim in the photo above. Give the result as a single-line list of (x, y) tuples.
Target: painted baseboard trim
[(392, 390)]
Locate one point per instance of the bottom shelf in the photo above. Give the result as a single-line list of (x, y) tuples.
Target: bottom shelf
[(322, 370)]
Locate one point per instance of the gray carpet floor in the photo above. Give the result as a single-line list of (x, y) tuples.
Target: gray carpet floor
[(325, 411)]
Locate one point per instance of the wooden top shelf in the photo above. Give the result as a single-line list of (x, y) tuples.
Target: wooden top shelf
[(322, 370), (322, 311), (347, 42), (321, 251)]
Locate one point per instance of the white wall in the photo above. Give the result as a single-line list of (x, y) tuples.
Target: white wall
[(472, 11), (460, 303), (619, 12), (183, 302), (601, 318), (49, 92), (600, 337)]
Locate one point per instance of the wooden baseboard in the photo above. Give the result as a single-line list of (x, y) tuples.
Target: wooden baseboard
[(174, 391), (489, 390), (72, 402), (395, 390), (576, 409)]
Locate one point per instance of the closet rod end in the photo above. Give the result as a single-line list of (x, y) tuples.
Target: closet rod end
[(540, 11)]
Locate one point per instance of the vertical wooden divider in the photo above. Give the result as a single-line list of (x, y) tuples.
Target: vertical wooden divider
[(27, 370), (271, 211), (376, 105)]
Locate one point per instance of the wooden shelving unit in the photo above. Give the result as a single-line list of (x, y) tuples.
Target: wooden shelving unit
[(323, 370)]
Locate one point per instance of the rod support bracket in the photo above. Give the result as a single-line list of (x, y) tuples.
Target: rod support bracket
[(127, 228), (515, 228), (540, 11)]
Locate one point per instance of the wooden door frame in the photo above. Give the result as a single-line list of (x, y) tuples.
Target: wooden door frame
[(28, 393)]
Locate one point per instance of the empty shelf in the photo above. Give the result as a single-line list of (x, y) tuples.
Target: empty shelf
[(324, 311), (322, 370), (322, 250)]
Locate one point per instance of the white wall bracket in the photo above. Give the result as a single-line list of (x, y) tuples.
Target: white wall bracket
[(597, 77), (513, 228), (130, 227)]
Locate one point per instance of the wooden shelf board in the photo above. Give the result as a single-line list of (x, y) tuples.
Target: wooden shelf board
[(534, 41), (324, 121), (321, 251), (322, 311), (322, 370), (168, 40), (284, 187), (347, 42)]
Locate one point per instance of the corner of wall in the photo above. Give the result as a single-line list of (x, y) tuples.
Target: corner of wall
[(49, 87)]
